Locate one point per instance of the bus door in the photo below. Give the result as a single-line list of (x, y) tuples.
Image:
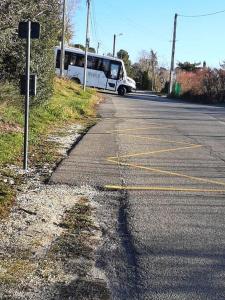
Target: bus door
[(113, 75)]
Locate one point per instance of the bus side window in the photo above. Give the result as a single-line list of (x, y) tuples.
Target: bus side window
[(98, 64), (105, 66), (66, 60), (91, 63), (80, 60), (73, 58), (57, 65)]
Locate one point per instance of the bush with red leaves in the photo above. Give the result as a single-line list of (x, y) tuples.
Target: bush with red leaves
[(204, 85)]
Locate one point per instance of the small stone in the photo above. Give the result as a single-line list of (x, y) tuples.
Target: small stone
[(11, 181)]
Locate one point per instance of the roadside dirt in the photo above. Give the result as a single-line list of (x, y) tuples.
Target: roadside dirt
[(49, 241)]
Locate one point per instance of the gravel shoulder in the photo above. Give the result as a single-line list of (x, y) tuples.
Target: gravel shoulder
[(49, 242)]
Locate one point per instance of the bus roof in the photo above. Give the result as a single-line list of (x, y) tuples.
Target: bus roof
[(77, 50)]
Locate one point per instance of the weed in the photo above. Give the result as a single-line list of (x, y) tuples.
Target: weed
[(7, 195)]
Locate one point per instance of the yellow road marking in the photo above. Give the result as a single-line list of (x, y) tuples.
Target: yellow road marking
[(117, 160), (139, 128), (169, 173), (128, 129), (155, 152), (156, 139), (157, 188)]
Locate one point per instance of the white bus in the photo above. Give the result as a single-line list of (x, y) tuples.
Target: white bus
[(103, 72)]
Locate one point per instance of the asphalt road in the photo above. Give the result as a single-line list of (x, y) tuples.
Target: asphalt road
[(163, 161)]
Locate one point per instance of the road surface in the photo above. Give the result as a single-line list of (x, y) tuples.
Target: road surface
[(159, 167)]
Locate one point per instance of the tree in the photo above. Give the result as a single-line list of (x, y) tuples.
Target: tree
[(188, 67), (154, 63), (79, 46), (136, 74), (149, 63), (146, 81), (123, 54), (223, 65), (92, 50), (12, 48), (157, 76), (82, 47)]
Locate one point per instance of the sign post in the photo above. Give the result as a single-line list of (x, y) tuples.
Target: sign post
[(27, 98), (28, 30)]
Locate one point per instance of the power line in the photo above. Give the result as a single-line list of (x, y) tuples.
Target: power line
[(94, 19), (95, 25), (92, 31), (128, 21), (203, 15)]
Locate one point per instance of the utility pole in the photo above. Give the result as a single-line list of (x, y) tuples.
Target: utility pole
[(114, 45), (62, 56), (86, 44), (98, 47), (173, 54)]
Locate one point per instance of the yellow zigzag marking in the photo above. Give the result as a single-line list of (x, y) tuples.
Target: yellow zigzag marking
[(117, 160), (155, 152), (167, 172), (139, 128)]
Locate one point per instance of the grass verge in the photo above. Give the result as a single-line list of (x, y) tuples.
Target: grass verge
[(69, 104)]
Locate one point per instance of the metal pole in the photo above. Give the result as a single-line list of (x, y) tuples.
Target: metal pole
[(86, 45), (27, 99), (98, 47), (114, 45), (62, 56), (173, 55)]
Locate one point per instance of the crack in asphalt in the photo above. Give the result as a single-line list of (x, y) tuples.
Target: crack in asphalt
[(128, 243)]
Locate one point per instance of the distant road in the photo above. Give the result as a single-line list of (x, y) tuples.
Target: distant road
[(159, 166)]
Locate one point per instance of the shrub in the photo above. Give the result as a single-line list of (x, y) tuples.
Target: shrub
[(12, 49), (205, 85)]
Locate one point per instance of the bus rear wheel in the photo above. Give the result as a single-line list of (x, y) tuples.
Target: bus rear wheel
[(122, 90)]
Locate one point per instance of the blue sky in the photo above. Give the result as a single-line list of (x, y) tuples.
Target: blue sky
[(147, 24)]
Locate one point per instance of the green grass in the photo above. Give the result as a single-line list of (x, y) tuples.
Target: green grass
[(69, 104), (10, 147)]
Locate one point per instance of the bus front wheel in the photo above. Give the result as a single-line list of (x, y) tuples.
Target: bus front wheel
[(122, 90), (77, 80)]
